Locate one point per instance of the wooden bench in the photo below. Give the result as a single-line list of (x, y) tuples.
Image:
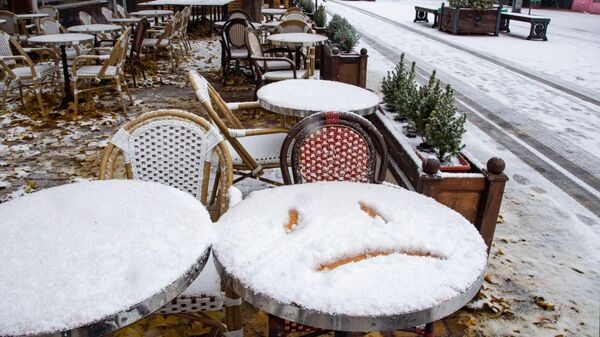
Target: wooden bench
[(421, 14), (539, 24)]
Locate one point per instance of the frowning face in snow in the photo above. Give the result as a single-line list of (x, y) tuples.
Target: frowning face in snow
[(350, 248)]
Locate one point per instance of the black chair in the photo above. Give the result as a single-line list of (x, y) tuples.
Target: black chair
[(135, 53), (233, 47)]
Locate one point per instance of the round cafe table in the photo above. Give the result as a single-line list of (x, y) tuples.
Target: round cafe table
[(94, 29), (153, 13), (300, 98), (297, 40), (63, 41), (35, 17), (88, 258), (271, 12), (346, 257)]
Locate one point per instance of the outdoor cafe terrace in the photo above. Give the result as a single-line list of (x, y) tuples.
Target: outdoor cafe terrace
[(41, 150)]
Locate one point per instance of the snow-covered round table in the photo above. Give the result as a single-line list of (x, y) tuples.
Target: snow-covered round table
[(350, 257), (301, 98), (88, 258)]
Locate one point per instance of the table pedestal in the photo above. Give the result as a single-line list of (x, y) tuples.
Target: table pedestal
[(68, 92)]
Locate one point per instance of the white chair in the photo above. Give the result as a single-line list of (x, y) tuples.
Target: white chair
[(183, 150), (18, 68), (109, 74), (271, 68), (252, 149)]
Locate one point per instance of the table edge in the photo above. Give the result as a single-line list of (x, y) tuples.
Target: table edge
[(348, 322), (136, 312), (304, 113)]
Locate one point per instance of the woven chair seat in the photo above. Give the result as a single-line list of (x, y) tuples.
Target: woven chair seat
[(264, 148), (277, 65), (151, 42), (238, 53), (92, 71), (278, 75), (42, 70)]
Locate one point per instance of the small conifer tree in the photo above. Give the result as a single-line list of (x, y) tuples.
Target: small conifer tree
[(320, 16), (445, 128), (400, 89), (429, 96)]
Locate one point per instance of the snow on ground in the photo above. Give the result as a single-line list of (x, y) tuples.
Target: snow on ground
[(547, 245)]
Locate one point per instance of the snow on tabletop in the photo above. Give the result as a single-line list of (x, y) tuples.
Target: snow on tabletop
[(80, 252), (317, 95), (255, 247)]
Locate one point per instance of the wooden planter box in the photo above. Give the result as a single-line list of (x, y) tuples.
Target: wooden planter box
[(476, 194), (470, 21), (348, 68)]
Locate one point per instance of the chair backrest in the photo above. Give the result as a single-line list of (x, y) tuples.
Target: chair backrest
[(138, 37), (9, 46), (292, 10), (52, 11), (121, 11), (239, 14), (207, 95), (13, 25), (334, 146), (253, 44), (175, 148), (233, 33), (51, 26), (293, 26), (85, 18), (117, 55), (107, 13), (295, 16)]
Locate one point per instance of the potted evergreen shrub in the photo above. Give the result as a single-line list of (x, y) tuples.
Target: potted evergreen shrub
[(429, 116), (320, 19), (470, 17), (413, 115), (339, 61), (308, 7)]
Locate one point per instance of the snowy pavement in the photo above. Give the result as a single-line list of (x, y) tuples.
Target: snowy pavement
[(536, 105)]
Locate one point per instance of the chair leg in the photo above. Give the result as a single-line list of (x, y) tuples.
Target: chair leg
[(118, 87), (38, 92), (132, 65), (21, 94), (75, 96)]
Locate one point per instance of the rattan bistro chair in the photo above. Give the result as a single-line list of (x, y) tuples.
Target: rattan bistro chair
[(107, 75), (335, 146), (269, 68), (17, 68), (330, 146), (252, 149), (234, 54), (179, 149)]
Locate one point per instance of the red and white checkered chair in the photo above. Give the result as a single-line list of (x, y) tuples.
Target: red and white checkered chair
[(335, 146)]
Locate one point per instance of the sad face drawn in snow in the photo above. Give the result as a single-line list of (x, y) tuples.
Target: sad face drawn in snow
[(353, 248)]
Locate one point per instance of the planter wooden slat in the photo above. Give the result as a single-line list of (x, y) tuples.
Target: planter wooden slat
[(348, 68)]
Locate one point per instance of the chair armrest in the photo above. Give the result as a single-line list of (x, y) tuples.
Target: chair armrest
[(270, 58), (81, 58), (243, 105), (16, 58), (239, 133)]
